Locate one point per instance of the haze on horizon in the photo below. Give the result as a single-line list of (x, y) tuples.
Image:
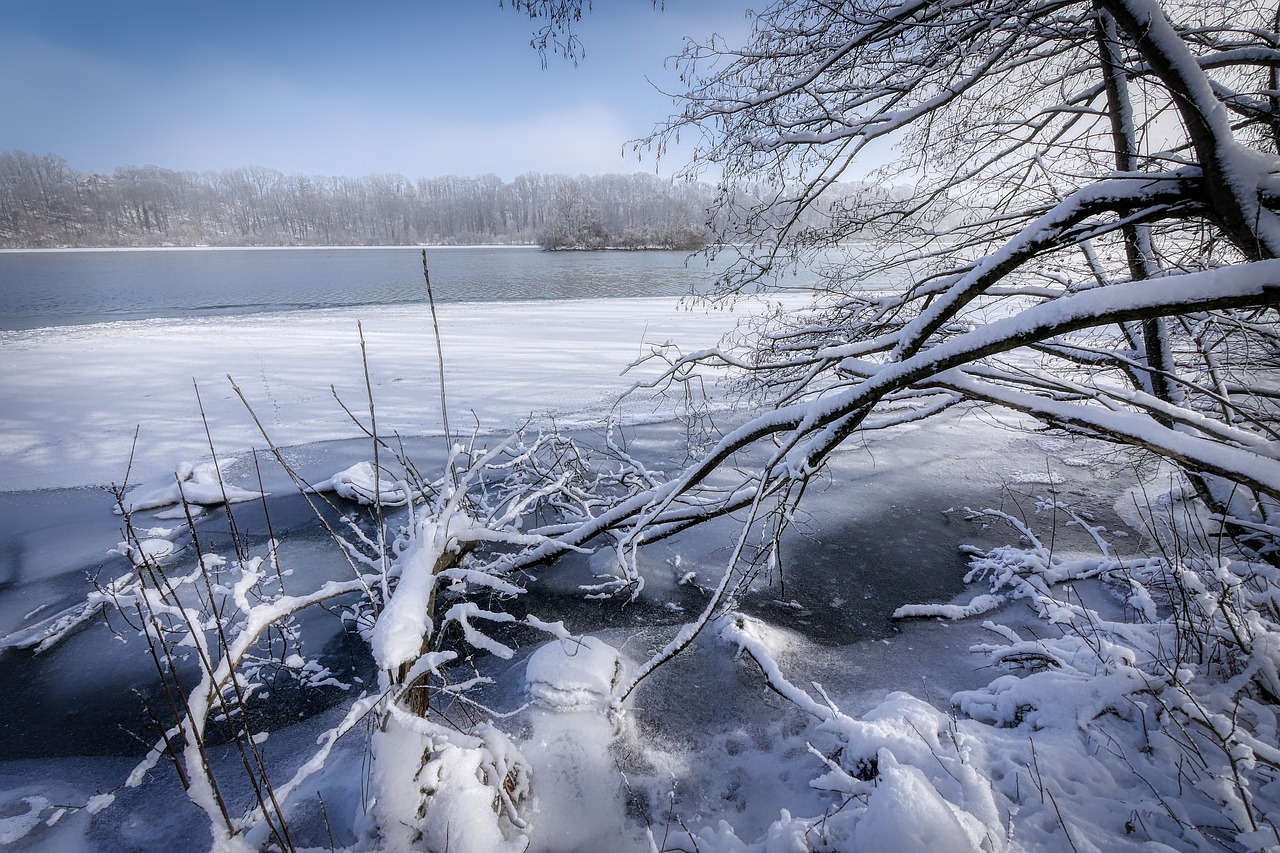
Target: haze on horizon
[(423, 88)]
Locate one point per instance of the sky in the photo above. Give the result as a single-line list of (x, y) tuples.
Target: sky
[(417, 87)]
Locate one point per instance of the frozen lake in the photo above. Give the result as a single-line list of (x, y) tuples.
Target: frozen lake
[(883, 530)]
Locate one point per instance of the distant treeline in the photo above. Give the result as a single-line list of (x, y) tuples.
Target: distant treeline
[(46, 203)]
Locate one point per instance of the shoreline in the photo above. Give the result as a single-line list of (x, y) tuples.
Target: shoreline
[(413, 247)]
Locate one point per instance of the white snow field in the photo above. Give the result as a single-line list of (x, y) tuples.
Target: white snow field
[(73, 396), (1031, 710)]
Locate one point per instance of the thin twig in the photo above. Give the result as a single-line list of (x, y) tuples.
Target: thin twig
[(435, 325)]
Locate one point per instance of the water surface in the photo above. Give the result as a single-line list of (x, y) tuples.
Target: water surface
[(59, 288)]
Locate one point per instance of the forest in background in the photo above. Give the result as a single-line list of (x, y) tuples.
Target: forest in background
[(45, 203)]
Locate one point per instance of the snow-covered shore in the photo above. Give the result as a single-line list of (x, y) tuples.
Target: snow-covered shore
[(1034, 767)]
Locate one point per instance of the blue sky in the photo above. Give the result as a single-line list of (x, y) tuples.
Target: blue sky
[(419, 87)]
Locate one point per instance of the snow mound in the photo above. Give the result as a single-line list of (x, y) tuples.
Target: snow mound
[(363, 484), (906, 813), (150, 550), (573, 675), (201, 485)]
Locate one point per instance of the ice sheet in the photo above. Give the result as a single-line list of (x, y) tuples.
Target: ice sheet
[(72, 398)]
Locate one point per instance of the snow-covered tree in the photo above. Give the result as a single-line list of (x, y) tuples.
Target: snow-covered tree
[(1082, 227), (1089, 236), (431, 583)]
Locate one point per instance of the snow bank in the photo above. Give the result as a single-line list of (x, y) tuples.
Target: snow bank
[(573, 674), (201, 485), (364, 484)]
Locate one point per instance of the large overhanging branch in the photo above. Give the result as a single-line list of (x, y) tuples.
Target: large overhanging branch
[(1232, 171), (807, 432), (816, 75), (1255, 468), (1153, 195)]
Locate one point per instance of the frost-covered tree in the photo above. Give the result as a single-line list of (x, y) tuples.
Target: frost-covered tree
[(1090, 236), (1083, 228)]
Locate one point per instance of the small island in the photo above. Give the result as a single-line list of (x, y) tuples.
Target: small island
[(595, 237)]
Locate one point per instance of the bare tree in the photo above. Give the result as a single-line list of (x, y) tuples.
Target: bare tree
[(44, 202), (1081, 228), (1089, 238)]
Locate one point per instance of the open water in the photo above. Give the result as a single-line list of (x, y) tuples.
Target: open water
[(59, 288)]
